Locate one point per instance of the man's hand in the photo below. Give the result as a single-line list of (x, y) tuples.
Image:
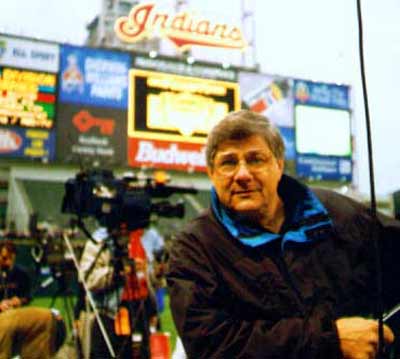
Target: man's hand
[(359, 337), (6, 304)]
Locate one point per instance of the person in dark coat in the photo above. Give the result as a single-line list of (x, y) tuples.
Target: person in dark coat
[(275, 269)]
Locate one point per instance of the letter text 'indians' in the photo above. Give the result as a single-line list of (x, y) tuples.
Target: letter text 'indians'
[(183, 29)]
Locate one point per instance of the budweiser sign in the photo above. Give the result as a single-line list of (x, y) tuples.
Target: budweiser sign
[(168, 155), (183, 29)]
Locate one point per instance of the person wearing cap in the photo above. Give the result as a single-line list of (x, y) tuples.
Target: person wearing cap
[(30, 332), (275, 269)]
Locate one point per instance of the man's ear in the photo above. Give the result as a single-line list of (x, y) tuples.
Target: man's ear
[(209, 171), (281, 164)]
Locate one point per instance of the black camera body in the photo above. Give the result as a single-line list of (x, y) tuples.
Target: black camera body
[(119, 201)]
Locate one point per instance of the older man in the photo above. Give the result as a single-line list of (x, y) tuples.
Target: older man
[(274, 269)]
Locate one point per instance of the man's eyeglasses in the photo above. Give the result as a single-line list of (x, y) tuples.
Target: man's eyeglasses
[(228, 165)]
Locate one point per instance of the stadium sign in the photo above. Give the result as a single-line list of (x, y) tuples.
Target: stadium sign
[(183, 29)]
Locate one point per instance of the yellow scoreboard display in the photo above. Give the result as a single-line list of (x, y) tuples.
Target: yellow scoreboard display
[(175, 108), (27, 98)]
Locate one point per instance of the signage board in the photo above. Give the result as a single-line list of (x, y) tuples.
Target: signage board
[(181, 68), (268, 95), (29, 54), (324, 167), (94, 77), (91, 134), (166, 154), (177, 108), (321, 94), (323, 131), (27, 98), (323, 136), (183, 29), (27, 143)]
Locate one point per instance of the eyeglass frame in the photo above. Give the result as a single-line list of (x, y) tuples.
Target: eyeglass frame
[(263, 162)]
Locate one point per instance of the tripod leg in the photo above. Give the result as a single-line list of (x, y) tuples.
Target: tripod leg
[(53, 300), (67, 310)]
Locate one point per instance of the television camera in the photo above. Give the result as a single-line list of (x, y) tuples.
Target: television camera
[(117, 202)]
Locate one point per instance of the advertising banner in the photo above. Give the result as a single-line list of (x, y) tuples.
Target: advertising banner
[(91, 134), (166, 154), (268, 95), (28, 98), (181, 68), (94, 77), (321, 94), (324, 168), (29, 54), (177, 108), (27, 143), (323, 131)]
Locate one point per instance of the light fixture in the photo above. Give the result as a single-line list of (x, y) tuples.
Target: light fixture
[(190, 60), (153, 54)]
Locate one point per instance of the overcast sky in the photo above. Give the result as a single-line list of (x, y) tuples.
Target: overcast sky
[(310, 39)]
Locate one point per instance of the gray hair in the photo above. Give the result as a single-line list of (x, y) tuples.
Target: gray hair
[(239, 125)]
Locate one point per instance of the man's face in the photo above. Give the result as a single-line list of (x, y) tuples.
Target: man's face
[(7, 258), (245, 174)]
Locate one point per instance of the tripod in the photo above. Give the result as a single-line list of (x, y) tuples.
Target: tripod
[(64, 293), (89, 295), (113, 274)]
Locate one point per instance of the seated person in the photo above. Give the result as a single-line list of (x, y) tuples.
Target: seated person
[(30, 332)]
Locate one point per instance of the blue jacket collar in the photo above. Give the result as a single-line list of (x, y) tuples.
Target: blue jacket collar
[(307, 219)]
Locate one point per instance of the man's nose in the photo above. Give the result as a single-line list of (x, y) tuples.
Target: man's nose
[(243, 172)]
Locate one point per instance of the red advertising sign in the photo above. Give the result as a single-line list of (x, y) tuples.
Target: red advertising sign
[(84, 121), (166, 154)]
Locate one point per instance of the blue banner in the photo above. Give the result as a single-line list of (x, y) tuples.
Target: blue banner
[(94, 77), (321, 94), (27, 143), (287, 134), (324, 167)]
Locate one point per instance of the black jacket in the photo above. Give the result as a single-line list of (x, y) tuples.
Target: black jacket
[(15, 283), (229, 300)]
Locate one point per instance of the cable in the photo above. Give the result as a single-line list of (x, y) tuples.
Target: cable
[(374, 232)]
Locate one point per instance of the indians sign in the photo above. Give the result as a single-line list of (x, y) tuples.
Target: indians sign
[(183, 29)]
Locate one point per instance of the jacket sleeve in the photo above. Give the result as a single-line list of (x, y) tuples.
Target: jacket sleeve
[(354, 221), (209, 330), (390, 259)]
